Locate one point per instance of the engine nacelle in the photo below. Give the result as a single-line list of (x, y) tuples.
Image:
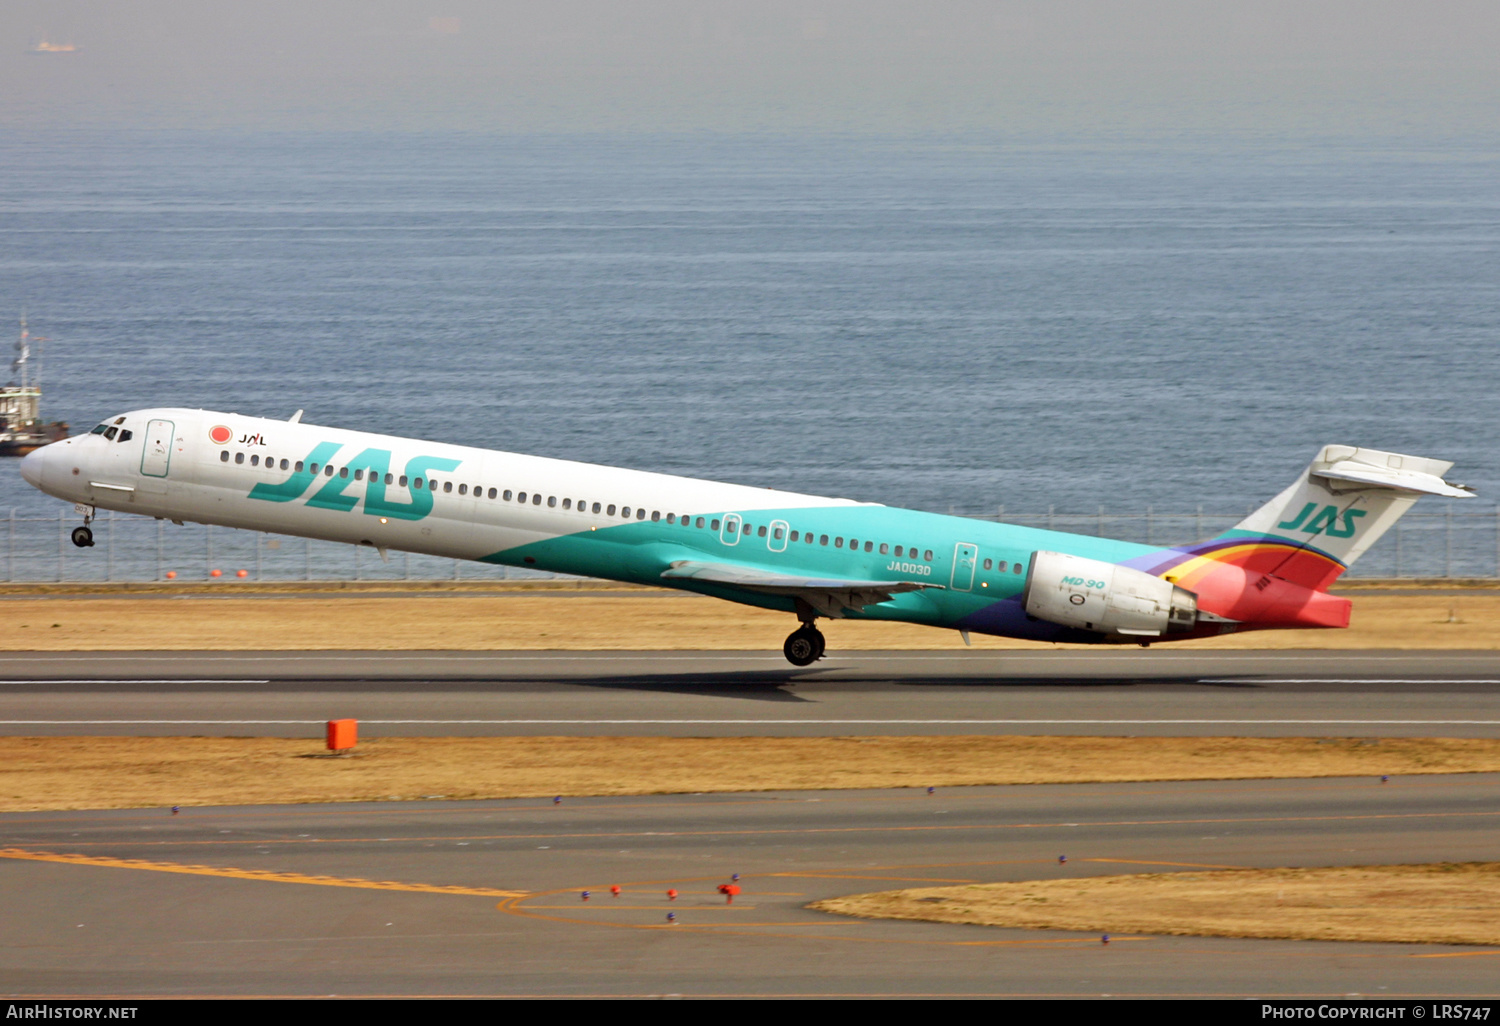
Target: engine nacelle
[(1106, 598)]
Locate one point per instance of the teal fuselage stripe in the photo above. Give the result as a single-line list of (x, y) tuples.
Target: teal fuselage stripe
[(638, 552)]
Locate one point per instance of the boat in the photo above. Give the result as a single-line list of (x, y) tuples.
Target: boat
[(21, 426)]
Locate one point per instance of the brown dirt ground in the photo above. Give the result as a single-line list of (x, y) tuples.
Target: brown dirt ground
[(1448, 903), (640, 620), (136, 772)]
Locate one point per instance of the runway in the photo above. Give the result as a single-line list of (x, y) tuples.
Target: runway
[(1137, 692), (485, 898)]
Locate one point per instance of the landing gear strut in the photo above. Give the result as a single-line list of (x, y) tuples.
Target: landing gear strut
[(83, 537), (805, 646)]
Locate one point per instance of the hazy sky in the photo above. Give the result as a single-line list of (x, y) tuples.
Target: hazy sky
[(1029, 66)]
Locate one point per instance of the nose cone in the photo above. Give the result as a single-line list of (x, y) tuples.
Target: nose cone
[(31, 466)]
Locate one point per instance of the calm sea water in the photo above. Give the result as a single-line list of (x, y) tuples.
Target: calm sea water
[(926, 323)]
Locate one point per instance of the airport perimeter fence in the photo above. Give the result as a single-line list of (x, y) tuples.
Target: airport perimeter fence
[(1440, 543)]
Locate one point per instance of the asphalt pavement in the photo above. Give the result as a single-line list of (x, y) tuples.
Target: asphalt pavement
[(1138, 692)]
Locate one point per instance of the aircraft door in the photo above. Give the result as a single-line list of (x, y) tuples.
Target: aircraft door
[(965, 555), (156, 457), (730, 534)]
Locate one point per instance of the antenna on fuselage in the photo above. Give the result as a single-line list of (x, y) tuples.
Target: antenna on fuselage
[(295, 418)]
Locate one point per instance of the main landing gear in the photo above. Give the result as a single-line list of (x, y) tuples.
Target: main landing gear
[(83, 537), (805, 646)]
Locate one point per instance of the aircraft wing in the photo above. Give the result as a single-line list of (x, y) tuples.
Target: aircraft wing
[(830, 596)]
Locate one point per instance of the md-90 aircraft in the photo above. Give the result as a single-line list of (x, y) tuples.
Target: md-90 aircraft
[(806, 555)]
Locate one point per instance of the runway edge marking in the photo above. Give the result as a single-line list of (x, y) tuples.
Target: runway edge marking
[(251, 874)]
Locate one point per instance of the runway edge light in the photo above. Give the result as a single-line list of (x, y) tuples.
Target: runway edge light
[(342, 735)]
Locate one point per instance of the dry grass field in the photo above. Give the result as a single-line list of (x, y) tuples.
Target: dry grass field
[(569, 619), (1429, 904), (138, 772)]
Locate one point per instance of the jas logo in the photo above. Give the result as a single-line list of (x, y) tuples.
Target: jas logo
[(1327, 521), (368, 471)]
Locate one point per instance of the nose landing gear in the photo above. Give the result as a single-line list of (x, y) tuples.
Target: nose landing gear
[(805, 646), (83, 537)]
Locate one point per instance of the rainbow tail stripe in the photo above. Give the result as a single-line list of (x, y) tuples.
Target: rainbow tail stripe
[(1256, 580)]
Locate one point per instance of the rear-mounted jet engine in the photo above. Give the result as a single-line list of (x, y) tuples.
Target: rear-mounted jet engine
[(1106, 598)]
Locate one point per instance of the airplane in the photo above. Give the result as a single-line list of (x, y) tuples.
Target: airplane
[(806, 555)]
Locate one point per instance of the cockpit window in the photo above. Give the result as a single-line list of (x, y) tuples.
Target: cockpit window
[(99, 430), (110, 433), (125, 435), (119, 420)]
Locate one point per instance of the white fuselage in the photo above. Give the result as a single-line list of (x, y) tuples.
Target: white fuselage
[(475, 510)]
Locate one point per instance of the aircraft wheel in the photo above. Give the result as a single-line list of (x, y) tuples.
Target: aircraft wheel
[(83, 537), (804, 647)]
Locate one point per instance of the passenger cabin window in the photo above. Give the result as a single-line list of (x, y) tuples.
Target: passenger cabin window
[(987, 563), (298, 467), (869, 546), (671, 518), (359, 475), (927, 555), (328, 470), (655, 515), (625, 512), (567, 504), (520, 496), (224, 456), (595, 508), (491, 493), (838, 543), (823, 539), (713, 525), (640, 514), (416, 482), (344, 472), (507, 495), (448, 487), (796, 536), (780, 533), (463, 489), (1000, 566), (255, 461), (552, 501), (536, 499), (885, 549), (239, 457), (1016, 568), (699, 522), (284, 466), (400, 481)]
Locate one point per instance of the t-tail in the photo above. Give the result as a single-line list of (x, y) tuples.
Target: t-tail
[(1273, 568)]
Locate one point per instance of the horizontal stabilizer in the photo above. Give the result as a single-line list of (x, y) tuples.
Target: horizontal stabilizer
[(830, 596), (1401, 479)]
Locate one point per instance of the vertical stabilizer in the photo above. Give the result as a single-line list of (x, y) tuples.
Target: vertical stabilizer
[(1326, 519)]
